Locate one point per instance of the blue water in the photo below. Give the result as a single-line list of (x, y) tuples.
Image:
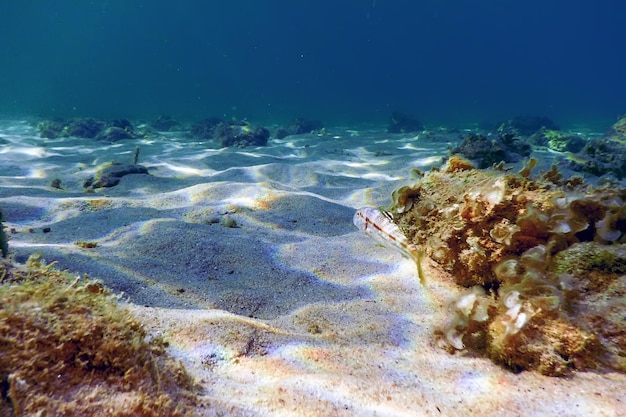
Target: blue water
[(342, 61)]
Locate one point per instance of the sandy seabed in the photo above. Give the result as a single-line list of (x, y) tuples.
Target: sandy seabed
[(291, 312)]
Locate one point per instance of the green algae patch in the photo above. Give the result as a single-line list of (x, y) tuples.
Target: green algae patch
[(68, 348)]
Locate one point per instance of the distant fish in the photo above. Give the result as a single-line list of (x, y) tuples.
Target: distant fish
[(379, 226)]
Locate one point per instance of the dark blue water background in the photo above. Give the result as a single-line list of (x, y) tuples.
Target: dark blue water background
[(342, 61)]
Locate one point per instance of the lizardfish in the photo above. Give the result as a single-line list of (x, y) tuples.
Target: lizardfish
[(381, 228)]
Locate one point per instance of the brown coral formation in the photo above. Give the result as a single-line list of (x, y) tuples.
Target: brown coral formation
[(69, 349), (522, 246)]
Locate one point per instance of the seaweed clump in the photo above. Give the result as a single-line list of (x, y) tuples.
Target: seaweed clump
[(69, 349), (512, 241)]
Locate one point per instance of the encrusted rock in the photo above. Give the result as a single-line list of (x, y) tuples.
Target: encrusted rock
[(543, 264), (111, 173)]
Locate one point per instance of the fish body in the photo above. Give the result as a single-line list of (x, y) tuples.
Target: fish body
[(381, 228)]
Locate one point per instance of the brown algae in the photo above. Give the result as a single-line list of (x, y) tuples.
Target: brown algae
[(543, 264), (69, 349)]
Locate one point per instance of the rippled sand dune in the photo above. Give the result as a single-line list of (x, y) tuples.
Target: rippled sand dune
[(247, 262)]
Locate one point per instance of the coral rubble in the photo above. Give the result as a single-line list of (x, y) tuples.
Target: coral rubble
[(605, 155), (241, 135), (166, 123), (233, 133), (490, 150), (526, 125), (543, 261), (300, 126), (111, 130), (403, 123), (205, 128), (69, 349)]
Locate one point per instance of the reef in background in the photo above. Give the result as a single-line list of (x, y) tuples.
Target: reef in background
[(69, 349), (543, 262)]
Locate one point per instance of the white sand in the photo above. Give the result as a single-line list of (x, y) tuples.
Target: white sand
[(293, 312)]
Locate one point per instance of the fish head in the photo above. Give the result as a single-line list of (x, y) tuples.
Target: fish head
[(360, 218)]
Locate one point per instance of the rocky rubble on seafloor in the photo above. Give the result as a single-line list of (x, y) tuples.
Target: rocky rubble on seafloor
[(604, 156), (540, 262), (87, 128)]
